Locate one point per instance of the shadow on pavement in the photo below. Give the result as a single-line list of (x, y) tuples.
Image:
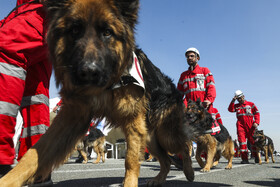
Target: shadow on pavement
[(275, 182)]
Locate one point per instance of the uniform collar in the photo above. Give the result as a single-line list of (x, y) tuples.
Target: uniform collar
[(245, 103), (195, 69)]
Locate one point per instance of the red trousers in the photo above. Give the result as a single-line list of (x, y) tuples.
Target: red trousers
[(246, 133), (24, 77)]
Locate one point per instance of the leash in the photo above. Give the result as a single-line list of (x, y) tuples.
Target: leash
[(34, 1)]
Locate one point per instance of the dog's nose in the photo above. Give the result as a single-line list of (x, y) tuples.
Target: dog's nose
[(89, 72)]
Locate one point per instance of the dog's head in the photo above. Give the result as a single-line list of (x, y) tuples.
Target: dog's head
[(90, 41), (258, 136), (197, 115)]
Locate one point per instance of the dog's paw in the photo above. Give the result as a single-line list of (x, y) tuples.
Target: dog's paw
[(228, 167), (189, 173), (153, 182), (190, 177), (204, 170)]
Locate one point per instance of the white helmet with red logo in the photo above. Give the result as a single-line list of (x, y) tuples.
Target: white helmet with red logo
[(238, 93), (192, 49)]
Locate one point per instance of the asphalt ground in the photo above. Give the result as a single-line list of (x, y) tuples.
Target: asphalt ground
[(111, 173)]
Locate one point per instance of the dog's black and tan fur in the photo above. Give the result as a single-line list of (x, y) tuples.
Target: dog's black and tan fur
[(264, 143), (215, 146), (96, 141), (91, 44)]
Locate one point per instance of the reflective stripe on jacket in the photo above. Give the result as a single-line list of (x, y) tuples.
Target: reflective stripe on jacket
[(198, 83)]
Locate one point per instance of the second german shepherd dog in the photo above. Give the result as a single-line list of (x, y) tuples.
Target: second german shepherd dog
[(94, 140), (215, 146), (264, 143), (103, 74)]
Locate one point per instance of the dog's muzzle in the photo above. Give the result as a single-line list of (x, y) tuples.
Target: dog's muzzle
[(91, 73), (191, 117)]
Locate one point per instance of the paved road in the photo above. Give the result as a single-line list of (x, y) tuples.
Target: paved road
[(111, 174)]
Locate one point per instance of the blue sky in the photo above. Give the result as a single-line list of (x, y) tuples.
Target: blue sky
[(238, 40)]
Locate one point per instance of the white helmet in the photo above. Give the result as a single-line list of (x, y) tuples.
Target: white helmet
[(192, 49), (238, 93)]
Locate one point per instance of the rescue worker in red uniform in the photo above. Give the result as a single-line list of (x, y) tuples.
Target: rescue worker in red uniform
[(24, 77), (196, 82), (248, 119)]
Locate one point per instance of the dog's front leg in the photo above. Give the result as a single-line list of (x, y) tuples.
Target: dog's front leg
[(266, 154), (211, 151), (135, 133), (53, 147), (26, 168), (259, 156), (187, 163)]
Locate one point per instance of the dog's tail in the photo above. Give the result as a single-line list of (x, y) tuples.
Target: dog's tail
[(271, 142)]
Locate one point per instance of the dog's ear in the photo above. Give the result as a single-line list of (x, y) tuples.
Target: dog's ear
[(198, 101), (261, 131), (129, 10), (54, 5)]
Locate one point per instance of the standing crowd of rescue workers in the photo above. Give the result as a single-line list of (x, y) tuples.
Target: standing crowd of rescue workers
[(25, 75)]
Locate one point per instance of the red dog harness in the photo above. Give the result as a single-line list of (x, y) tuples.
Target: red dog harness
[(215, 129)]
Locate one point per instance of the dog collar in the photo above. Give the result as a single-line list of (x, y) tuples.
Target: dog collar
[(134, 76)]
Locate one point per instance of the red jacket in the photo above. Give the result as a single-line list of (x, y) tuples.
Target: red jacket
[(198, 83), (19, 2), (12, 14), (247, 113)]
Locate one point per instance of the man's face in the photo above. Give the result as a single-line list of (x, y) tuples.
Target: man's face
[(241, 99), (192, 58)]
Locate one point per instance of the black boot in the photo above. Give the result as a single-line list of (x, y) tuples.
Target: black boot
[(80, 159), (4, 169), (176, 161), (257, 159), (244, 162)]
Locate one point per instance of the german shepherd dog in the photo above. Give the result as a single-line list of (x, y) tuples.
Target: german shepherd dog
[(264, 143), (96, 141), (92, 47), (214, 146)]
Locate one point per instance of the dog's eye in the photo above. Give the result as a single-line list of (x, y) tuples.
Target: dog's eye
[(76, 31), (107, 33)]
